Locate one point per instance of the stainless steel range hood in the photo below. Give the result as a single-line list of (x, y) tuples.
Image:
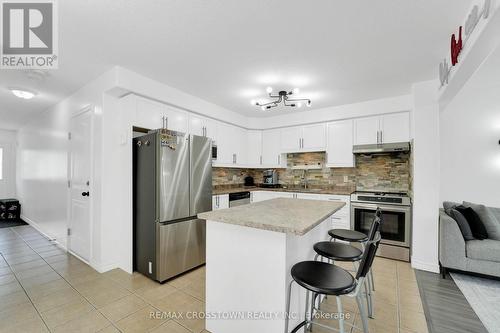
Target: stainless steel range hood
[(381, 148)]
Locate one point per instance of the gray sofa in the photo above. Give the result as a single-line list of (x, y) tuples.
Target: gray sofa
[(475, 256)]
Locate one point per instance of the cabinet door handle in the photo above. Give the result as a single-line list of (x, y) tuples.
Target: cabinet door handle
[(381, 137), (260, 159), (300, 143), (279, 159)]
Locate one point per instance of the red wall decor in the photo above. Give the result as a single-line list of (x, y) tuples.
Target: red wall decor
[(456, 47)]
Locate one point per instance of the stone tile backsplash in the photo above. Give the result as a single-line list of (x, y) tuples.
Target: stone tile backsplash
[(389, 172)]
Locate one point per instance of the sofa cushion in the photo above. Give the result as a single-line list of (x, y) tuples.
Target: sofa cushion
[(449, 205), (490, 218), (488, 249), (462, 224), (475, 223)]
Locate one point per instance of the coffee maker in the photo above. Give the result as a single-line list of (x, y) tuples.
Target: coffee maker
[(270, 178)]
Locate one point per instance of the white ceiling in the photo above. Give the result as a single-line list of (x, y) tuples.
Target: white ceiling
[(227, 51)]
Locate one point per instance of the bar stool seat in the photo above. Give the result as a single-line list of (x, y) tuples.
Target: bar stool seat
[(338, 251), (323, 278), (348, 235)]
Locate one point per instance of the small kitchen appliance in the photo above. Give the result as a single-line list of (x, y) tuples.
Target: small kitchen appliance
[(249, 181), (270, 178)]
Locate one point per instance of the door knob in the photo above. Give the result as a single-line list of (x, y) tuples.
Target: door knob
[(85, 194)]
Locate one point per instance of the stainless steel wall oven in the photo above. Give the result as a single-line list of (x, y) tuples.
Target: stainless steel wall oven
[(396, 215)]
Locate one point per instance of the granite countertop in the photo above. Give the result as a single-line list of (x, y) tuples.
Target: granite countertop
[(327, 190), (291, 216)]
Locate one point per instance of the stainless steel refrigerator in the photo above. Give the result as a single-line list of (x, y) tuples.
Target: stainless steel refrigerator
[(172, 184)]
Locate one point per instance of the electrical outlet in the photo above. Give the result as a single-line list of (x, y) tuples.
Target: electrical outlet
[(346, 179)]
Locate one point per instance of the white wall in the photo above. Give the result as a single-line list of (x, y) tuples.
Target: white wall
[(42, 164), (470, 134), (425, 176), (8, 181)]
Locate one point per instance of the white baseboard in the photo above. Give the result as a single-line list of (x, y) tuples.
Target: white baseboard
[(95, 265), (424, 266), (35, 225), (104, 268)]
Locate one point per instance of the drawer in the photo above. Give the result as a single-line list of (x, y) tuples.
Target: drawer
[(332, 197), (343, 212), (341, 222)]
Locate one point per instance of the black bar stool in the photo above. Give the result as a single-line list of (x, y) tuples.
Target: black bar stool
[(353, 236), (327, 279), (335, 251)]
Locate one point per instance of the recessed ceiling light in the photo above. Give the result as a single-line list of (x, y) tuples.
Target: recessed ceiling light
[(24, 94)]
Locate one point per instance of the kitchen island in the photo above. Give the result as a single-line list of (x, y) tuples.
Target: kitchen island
[(250, 251)]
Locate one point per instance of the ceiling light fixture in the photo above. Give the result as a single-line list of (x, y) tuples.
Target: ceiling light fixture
[(22, 93), (282, 97)]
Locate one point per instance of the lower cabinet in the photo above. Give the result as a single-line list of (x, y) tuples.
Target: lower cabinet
[(342, 218), (220, 201)]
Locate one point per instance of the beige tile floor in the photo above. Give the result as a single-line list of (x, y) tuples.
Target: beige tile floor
[(43, 289)]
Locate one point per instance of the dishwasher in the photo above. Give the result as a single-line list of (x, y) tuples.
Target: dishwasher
[(239, 198)]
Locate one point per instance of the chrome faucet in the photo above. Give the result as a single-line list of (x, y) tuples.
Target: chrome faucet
[(304, 179)]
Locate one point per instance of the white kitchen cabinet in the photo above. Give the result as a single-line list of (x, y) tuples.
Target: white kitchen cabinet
[(202, 126), (271, 149), (220, 201), (366, 130), (176, 119), (148, 114), (231, 145), (387, 128), (314, 137), (308, 196), (342, 218), (291, 139), (254, 148), (268, 195), (226, 144), (153, 115), (395, 127), (303, 138), (240, 148), (339, 144)]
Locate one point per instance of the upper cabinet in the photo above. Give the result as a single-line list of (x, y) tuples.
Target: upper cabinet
[(176, 119), (254, 148), (366, 130), (202, 126), (291, 139), (154, 115), (387, 128), (314, 137), (339, 146), (395, 127), (303, 138), (231, 145), (271, 149)]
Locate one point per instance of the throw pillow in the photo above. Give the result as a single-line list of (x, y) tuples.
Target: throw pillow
[(488, 217), (448, 206), (462, 224), (476, 225)]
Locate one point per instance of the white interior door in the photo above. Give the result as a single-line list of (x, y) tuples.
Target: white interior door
[(80, 166)]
